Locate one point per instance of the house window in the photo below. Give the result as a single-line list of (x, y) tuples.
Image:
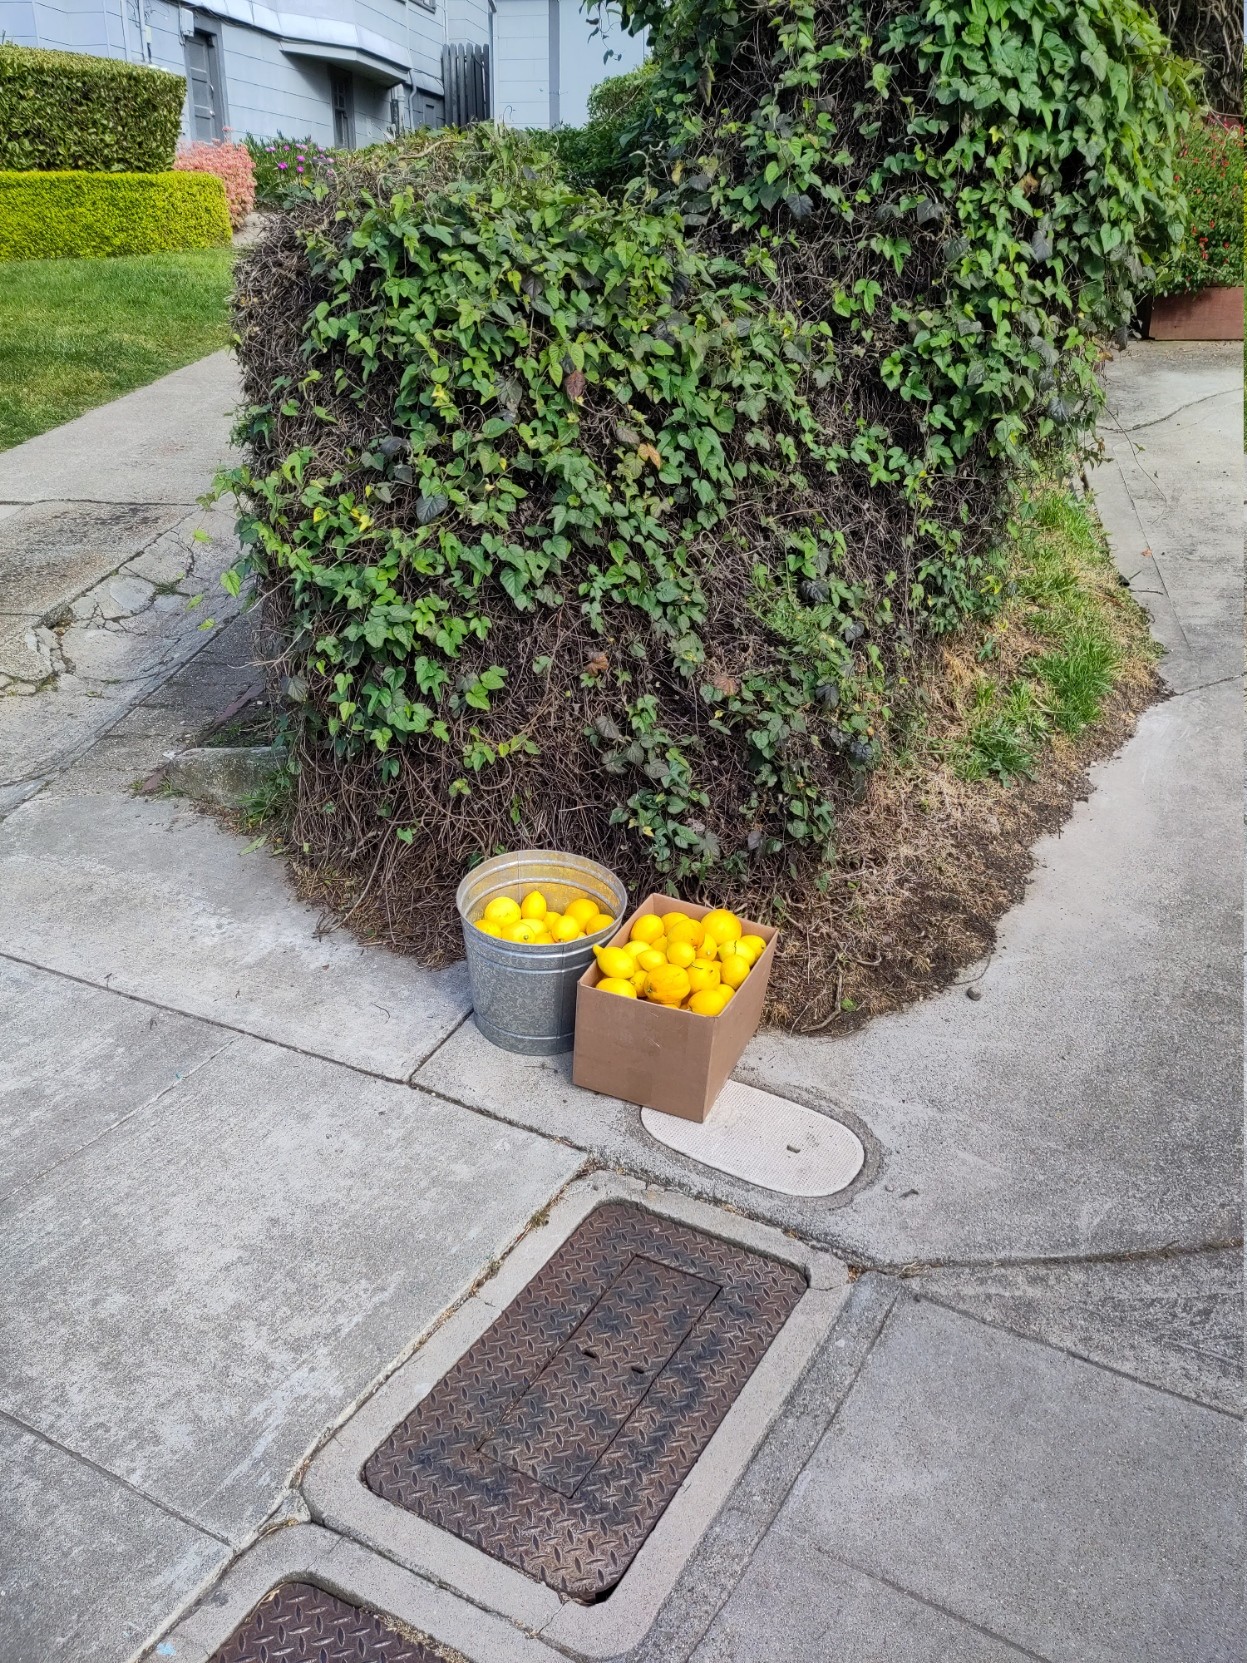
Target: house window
[(203, 80), (342, 92)]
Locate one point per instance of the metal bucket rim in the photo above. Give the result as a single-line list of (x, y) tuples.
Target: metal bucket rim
[(599, 936)]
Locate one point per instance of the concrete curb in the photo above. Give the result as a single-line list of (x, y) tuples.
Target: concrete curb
[(338, 1499)]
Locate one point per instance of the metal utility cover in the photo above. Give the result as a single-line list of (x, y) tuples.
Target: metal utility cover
[(557, 1440), (298, 1623)]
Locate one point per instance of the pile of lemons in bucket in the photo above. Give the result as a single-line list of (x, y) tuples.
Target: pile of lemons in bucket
[(535, 923), (693, 964)]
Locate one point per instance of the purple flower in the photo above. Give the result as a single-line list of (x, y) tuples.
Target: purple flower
[(283, 164)]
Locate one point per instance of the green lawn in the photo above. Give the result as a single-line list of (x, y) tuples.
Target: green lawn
[(75, 333)]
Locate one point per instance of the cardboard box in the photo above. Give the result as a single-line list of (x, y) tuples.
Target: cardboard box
[(666, 1059)]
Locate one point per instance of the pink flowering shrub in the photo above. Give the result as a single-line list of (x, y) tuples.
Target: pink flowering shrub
[(232, 165), (283, 165)]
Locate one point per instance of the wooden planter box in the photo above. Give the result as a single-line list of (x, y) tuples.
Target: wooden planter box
[(1211, 315)]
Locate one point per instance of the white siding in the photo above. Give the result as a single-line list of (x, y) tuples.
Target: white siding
[(586, 58), (522, 63), (426, 35), (523, 96), (270, 88), (468, 20), (269, 92), (93, 26)]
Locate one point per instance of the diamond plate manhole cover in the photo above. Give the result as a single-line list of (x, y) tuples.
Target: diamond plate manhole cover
[(557, 1440), (298, 1623)]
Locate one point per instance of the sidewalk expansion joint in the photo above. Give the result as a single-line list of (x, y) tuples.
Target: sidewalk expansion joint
[(212, 1022), (1055, 1261), (934, 1605), (116, 1478), (946, 1304)]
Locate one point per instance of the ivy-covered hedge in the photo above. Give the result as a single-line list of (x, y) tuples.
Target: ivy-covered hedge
[(55, 216), (61, 110), (598, 156), (1209, 168), (621, 526)]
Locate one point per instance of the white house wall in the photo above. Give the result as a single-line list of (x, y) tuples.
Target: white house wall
[(586, 58), (522, 63), (269, 87), (468, 20), (94, 26), (530, 91)]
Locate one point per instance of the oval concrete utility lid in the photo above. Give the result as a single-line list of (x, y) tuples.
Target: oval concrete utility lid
[(766, 1140)]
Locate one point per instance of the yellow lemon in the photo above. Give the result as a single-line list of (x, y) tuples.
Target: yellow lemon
[(670, 918), (733, 969), (638, 982), (722, 925), (599, 921), (614, 962), (710, 1001), (660, 946), (633, 948), (581, 909), (487, 926), (667, 985), (503, 910), (543, 938), (686, 929), (647, 928), (551, 919), (533, 905), (567, 929), (524, 930), (708, 949), (650, 959), (617, 984), (682, 953), (702, 974), (753, 945)]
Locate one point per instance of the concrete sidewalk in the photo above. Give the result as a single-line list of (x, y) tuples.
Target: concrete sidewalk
[(103, 551), (246, 1163)]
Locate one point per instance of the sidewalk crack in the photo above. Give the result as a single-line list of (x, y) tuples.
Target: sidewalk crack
[(8, 1196), (1192, 404)]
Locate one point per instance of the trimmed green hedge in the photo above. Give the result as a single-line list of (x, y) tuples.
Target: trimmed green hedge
[(64, 110), (54, 216)]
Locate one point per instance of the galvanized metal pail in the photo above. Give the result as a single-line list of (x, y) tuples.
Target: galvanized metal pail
[(524, 997)]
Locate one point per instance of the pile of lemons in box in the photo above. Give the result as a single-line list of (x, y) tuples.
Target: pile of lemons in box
[(693, 964), (535, 923)]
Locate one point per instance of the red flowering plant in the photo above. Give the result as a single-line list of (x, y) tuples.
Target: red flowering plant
[(232, 165), (1210, 171)]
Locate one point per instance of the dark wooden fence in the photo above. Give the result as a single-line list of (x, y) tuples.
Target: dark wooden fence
[(465, 82)]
